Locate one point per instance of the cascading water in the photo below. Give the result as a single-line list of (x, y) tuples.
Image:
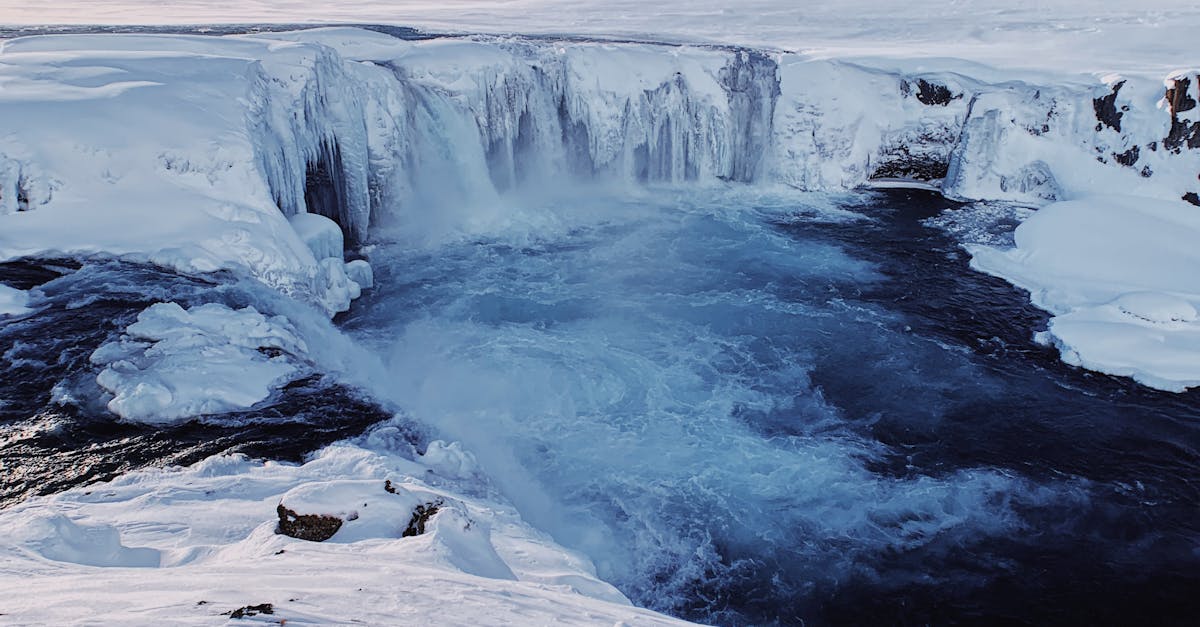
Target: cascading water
[(717, 400), (701, 390)]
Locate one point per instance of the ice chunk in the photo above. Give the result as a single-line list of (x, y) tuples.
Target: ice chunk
[(361, 273), (336, 289), (322, 235), (450, 460), (175, 364)]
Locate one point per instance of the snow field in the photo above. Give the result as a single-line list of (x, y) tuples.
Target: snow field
[(203, 164)]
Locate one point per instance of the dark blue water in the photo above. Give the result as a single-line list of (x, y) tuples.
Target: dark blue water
[(55, 431), (1129, 555), (745, 410), (762, 413)]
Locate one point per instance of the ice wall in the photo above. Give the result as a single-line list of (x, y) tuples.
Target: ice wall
[(639, 113), (210, 142), (1036, 144), (486, 115)]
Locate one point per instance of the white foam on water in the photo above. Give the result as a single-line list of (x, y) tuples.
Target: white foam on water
[(639, 385)]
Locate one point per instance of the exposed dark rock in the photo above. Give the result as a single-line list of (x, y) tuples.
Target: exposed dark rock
[(1128, 158), (388, 487), (252, 610), (931, 93), (1183, 133), (1146, 172), (1178, 98), (1106, 109), (1193, 198), (900, 163), (312, 527), (421, 515), (22, 193)]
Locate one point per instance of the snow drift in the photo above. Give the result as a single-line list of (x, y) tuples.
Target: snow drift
[(185, 545)]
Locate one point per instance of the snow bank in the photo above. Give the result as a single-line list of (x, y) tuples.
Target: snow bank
[(205, 540), (203, 142), (1119, 273), (174, 364)]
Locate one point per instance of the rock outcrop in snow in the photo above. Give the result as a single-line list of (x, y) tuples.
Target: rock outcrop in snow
[(186, 544)]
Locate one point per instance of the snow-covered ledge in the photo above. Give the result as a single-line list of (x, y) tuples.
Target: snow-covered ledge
[(152, 148), (222, 152)]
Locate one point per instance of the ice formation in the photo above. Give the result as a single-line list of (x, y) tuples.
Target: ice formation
[(213, 142), (175, 364)]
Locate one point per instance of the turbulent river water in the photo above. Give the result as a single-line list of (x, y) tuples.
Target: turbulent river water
[(745, 409), (748, 410)]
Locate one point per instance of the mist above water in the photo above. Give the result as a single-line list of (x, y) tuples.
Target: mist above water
[(637, 375)]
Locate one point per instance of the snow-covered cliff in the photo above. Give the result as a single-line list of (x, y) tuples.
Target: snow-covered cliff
[(353, 125), (192, 152)]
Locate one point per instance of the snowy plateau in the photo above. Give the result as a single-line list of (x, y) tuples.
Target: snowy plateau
[(269, 166)]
